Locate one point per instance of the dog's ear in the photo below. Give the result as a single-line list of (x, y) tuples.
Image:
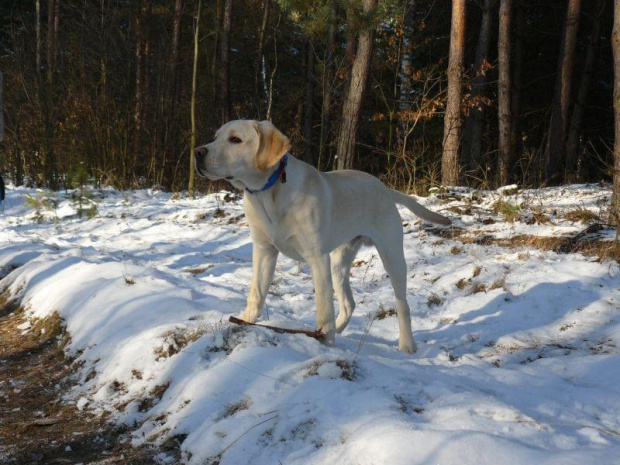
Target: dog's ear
[(271, 147)]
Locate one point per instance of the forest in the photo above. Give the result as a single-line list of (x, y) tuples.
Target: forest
[(420, 93)]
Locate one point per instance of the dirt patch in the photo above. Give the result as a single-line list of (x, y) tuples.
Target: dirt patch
[(36, 425)]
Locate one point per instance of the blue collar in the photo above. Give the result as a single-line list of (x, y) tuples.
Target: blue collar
[(280, 173)]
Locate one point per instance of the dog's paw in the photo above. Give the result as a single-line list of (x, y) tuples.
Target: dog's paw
[(408, 348), (330, 338), (249, 316), (341, 323)]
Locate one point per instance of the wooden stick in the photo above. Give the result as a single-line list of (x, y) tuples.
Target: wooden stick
[(313, 334)]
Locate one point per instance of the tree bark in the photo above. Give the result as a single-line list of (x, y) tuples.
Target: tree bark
[(38, 36), (49, 155), (138, 110), (504, 88), (308, 105), (171, 100), (260, 73), (555, 149), (450, 169), (51, 8), (472, 137), (192, 143), (615, 41), (353, 104), (574, 131), (404, 76), (223, 79), (328, 83), (517, 78)]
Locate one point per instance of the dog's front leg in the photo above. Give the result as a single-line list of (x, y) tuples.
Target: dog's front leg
[(264, 257), (324, 296)]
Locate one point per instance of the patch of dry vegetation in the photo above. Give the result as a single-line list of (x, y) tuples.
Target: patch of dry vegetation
[(36, 424)]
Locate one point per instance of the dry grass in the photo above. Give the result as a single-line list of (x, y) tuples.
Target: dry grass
[(434, 300), (588, 246), (153, 398), (232, 409), (582, 215), (384, 313), (509, 211), (37, 423), (498, 283), (177, 339)]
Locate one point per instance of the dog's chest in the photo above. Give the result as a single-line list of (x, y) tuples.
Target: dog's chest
[(275, 226)]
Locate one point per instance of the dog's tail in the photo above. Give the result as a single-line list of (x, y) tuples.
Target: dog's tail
[(419, 210)]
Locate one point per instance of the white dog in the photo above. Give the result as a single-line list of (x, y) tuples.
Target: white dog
[(319, 218)]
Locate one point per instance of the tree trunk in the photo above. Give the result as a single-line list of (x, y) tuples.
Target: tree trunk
[(504, 88), (450, 169), (555, 149), (328, 83), (138, 110), (223, 79), (353, 104), (192, 143), (260, 73), (308, 105), (38, 36), (472, 137), (517, 79), (404, 76), (49, 156), (574, 131), (615, 41), (172, 95), (51, 8)]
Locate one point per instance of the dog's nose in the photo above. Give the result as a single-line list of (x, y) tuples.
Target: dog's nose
[(200, 151)]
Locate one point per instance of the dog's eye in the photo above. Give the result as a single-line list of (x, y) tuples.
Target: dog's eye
[(234, 140)]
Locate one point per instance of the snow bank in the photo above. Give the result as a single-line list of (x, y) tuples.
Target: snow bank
[(518, 350)]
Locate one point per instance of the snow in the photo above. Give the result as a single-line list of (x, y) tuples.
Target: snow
[(519, 363)]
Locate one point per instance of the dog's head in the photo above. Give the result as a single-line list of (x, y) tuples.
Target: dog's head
[(242, 152)]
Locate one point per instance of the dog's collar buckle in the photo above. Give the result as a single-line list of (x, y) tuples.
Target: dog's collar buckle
[(279, 174)]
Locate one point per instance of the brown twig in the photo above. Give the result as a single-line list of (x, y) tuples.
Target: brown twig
[(313, 334)]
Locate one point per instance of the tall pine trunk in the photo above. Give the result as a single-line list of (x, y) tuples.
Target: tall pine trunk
[(574, 131), (328, 83), (517, 77), (504, 89), (192, 143), (615, 41), (38, 37), (555, 149), (223, 78), (308, 105), (171, 97), (353, 104), (472, 137), (450, 168)]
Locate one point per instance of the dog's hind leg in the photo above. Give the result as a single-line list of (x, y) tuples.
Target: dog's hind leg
[(324, 294), (341, 259), (390, 247)]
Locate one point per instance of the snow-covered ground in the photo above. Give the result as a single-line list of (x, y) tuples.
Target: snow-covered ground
[(518, 357)]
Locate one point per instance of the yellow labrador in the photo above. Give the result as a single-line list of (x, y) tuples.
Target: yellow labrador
[(319, 218)]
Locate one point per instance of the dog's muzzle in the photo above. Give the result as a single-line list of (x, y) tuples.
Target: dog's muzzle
[(200, 155)]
